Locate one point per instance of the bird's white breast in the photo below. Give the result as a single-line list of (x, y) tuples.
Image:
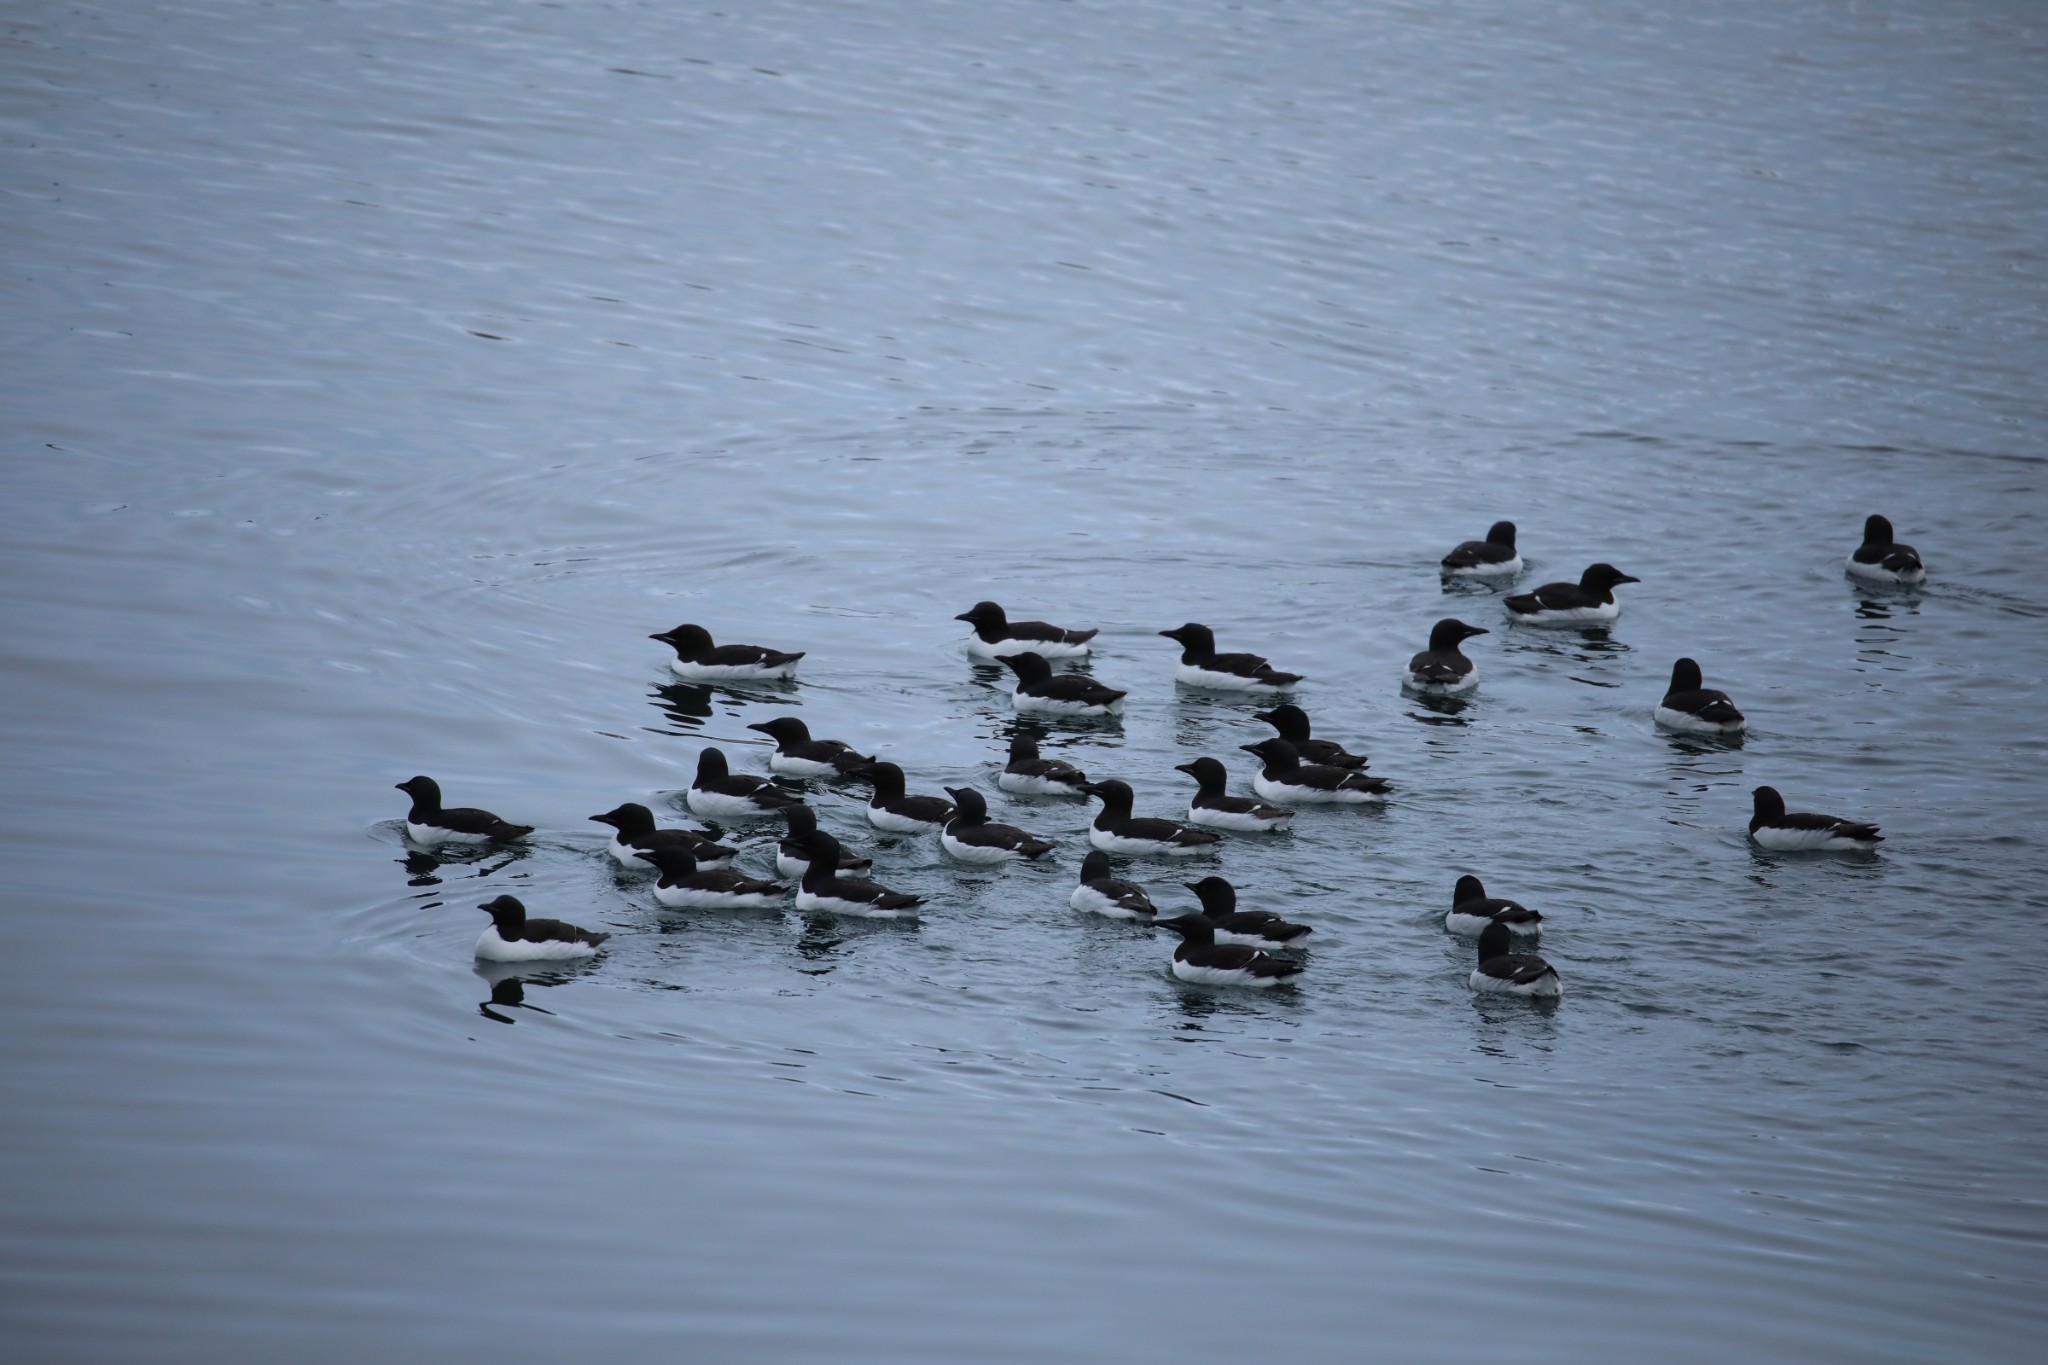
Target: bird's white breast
[(682, 668), (1241, 820), (1546, 985), (1194, 675), (1685, 721), (1025, 701), (982, 854), (434, 834), (491, 948), (882, 818), (1568, 616), (1044, 649), (1220, 976)]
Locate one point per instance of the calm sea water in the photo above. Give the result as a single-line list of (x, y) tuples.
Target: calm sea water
[(380, 375)]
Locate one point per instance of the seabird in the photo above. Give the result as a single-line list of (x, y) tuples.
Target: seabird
[(1495, 555), (972, 837), (1774, 827), (1202, 666), (1201, 959), (635, 833), (698, 660), (1060, 694), (996, 636), (1286, 778), (428, 823), (1442, 669), (1210, 806), (513, 937), (1588, 602)]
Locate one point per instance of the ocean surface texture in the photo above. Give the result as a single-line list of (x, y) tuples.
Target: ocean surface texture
[(379, 376)]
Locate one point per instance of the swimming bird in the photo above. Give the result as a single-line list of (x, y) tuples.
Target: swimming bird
[(513, 937), (428, 822), (996, 636), (1209, 806), (1472, 910), (634, 833), (684, 884), (1030, 775), (1202, 666), (1286, 778), (793, 854), (972, 837), (1588, 602), (1259, 928), (798, 755), (1064, 694), (1201, 959), (1699, 710), (1443, 669), (718, 791), (1774, 827), (1102, 892), (1292, 723), (1495, 555), (890, 809), (825, 889), (1116, 830), (698, 660), (1501, 972), (1883, 559)]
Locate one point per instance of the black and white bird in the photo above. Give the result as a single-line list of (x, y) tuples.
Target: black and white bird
[(996, 636), (891, 809), (1259, 928), (1202, 666), (1698, 710), (684, 885), (634, 834), (1882, 559), (1059, 694), (1588, 602), (1292, 723), (798, 755), (1211, 805), (1774, 827), (1505, 972), (1495, 556), (1201, 959), (720, 793), (1116, 830), (972, 837), (429, 823), (1102, 892), (1472, 910), (698, 660), (793, 853), (825, 889), (1030, 775), (1287, 779), (513, 937), (1442, 670)]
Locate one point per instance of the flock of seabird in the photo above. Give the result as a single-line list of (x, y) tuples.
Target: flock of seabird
[(1220, 944)]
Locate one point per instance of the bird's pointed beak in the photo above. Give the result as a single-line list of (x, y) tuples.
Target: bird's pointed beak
[(964, 616)]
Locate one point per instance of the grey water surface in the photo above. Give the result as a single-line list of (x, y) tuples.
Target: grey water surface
[(379, 375)]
